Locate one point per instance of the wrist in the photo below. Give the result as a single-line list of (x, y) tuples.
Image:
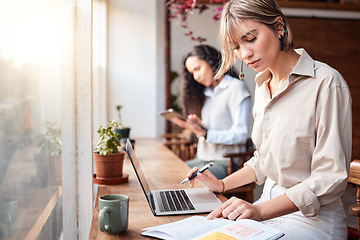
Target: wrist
[(261, 214), (222, 186), (204, 137)]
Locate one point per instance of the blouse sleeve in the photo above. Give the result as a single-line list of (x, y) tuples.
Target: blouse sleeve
[(254, 163)]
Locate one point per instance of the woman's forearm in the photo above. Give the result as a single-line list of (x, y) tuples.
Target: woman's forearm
[(239, 178), (276, 207)]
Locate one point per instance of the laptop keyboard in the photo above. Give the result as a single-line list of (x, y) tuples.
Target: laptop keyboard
[(175, 200)]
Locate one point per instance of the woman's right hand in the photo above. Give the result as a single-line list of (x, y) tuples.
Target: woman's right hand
[(207, 179), (179, 122)]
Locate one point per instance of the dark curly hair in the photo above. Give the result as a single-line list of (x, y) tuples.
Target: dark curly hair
[(192, 96)]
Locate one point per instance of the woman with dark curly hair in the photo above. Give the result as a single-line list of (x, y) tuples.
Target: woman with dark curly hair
[(218, 110)]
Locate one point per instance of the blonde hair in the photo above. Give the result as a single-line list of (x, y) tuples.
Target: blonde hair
[(236, 12)]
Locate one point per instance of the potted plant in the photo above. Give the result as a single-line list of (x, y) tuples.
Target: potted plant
[(120, 129), (108, 157), (48, 159)]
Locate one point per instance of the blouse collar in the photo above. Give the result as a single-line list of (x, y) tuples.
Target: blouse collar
[(305, 66), (222, 85)]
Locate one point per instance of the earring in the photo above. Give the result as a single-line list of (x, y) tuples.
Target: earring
[(282, 40), (282, 43), (242, 75)]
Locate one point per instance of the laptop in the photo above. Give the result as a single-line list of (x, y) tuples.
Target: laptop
[(173, 201)]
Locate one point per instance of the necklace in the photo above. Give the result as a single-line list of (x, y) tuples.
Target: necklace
[(274, 85)]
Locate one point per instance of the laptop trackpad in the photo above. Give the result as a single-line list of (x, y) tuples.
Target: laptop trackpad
[(202, 195)]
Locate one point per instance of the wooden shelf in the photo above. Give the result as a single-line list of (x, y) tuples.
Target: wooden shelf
[(325, 5), (33, 213), (351, 5)]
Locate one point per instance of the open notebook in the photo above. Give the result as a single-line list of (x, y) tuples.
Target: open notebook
[(173, 201), (199, 228)]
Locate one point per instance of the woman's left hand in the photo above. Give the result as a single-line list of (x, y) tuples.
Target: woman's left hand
[(194, 124), (235, 209)]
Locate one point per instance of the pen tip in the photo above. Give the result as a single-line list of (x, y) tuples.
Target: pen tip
[(184, 181)]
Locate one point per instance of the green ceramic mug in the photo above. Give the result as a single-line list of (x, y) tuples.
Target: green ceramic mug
[(113, 213)]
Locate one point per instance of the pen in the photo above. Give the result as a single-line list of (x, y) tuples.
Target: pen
[(198, 171)]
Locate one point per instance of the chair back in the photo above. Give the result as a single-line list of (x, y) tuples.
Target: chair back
[(354, 209), (184, 148), (237, 160)]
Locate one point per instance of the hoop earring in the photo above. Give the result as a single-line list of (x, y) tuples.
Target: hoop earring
[(242, 75)]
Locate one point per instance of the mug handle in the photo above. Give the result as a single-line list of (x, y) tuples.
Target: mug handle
[(102, 225)]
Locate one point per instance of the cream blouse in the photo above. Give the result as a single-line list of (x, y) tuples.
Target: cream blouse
[(303, 135)]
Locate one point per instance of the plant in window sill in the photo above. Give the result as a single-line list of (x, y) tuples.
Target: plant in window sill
[(108, 156), (108, 142), (50, 141), (180, 9), (121, 129), (48, 159)]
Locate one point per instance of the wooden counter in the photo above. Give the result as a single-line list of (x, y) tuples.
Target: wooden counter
[(163, 170)]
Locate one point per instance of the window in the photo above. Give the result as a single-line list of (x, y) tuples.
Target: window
[(37, 118)]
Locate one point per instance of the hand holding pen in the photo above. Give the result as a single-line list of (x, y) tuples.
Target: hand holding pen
[(198, 171)]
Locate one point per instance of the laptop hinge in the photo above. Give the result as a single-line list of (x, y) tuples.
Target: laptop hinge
[(151, 201)]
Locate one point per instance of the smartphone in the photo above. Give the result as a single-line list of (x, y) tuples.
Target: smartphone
[(170, 113)]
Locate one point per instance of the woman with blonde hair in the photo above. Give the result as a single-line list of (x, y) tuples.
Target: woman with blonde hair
[(302, 128)]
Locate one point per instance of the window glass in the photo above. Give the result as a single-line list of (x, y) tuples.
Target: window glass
[(33, 58)]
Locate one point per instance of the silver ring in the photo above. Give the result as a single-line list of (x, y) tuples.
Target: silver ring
[(237, 212)]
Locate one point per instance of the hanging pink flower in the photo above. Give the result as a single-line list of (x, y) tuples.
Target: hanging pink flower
[(181, 8)]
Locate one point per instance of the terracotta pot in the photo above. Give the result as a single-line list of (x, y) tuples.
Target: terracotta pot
[(109, 166)]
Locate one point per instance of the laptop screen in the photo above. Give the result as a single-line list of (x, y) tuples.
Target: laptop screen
[(135, 162)]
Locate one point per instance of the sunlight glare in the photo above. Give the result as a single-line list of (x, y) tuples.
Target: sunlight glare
[(28, 33)]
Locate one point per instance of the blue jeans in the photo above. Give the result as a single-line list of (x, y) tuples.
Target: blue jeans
[(219, 169)]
